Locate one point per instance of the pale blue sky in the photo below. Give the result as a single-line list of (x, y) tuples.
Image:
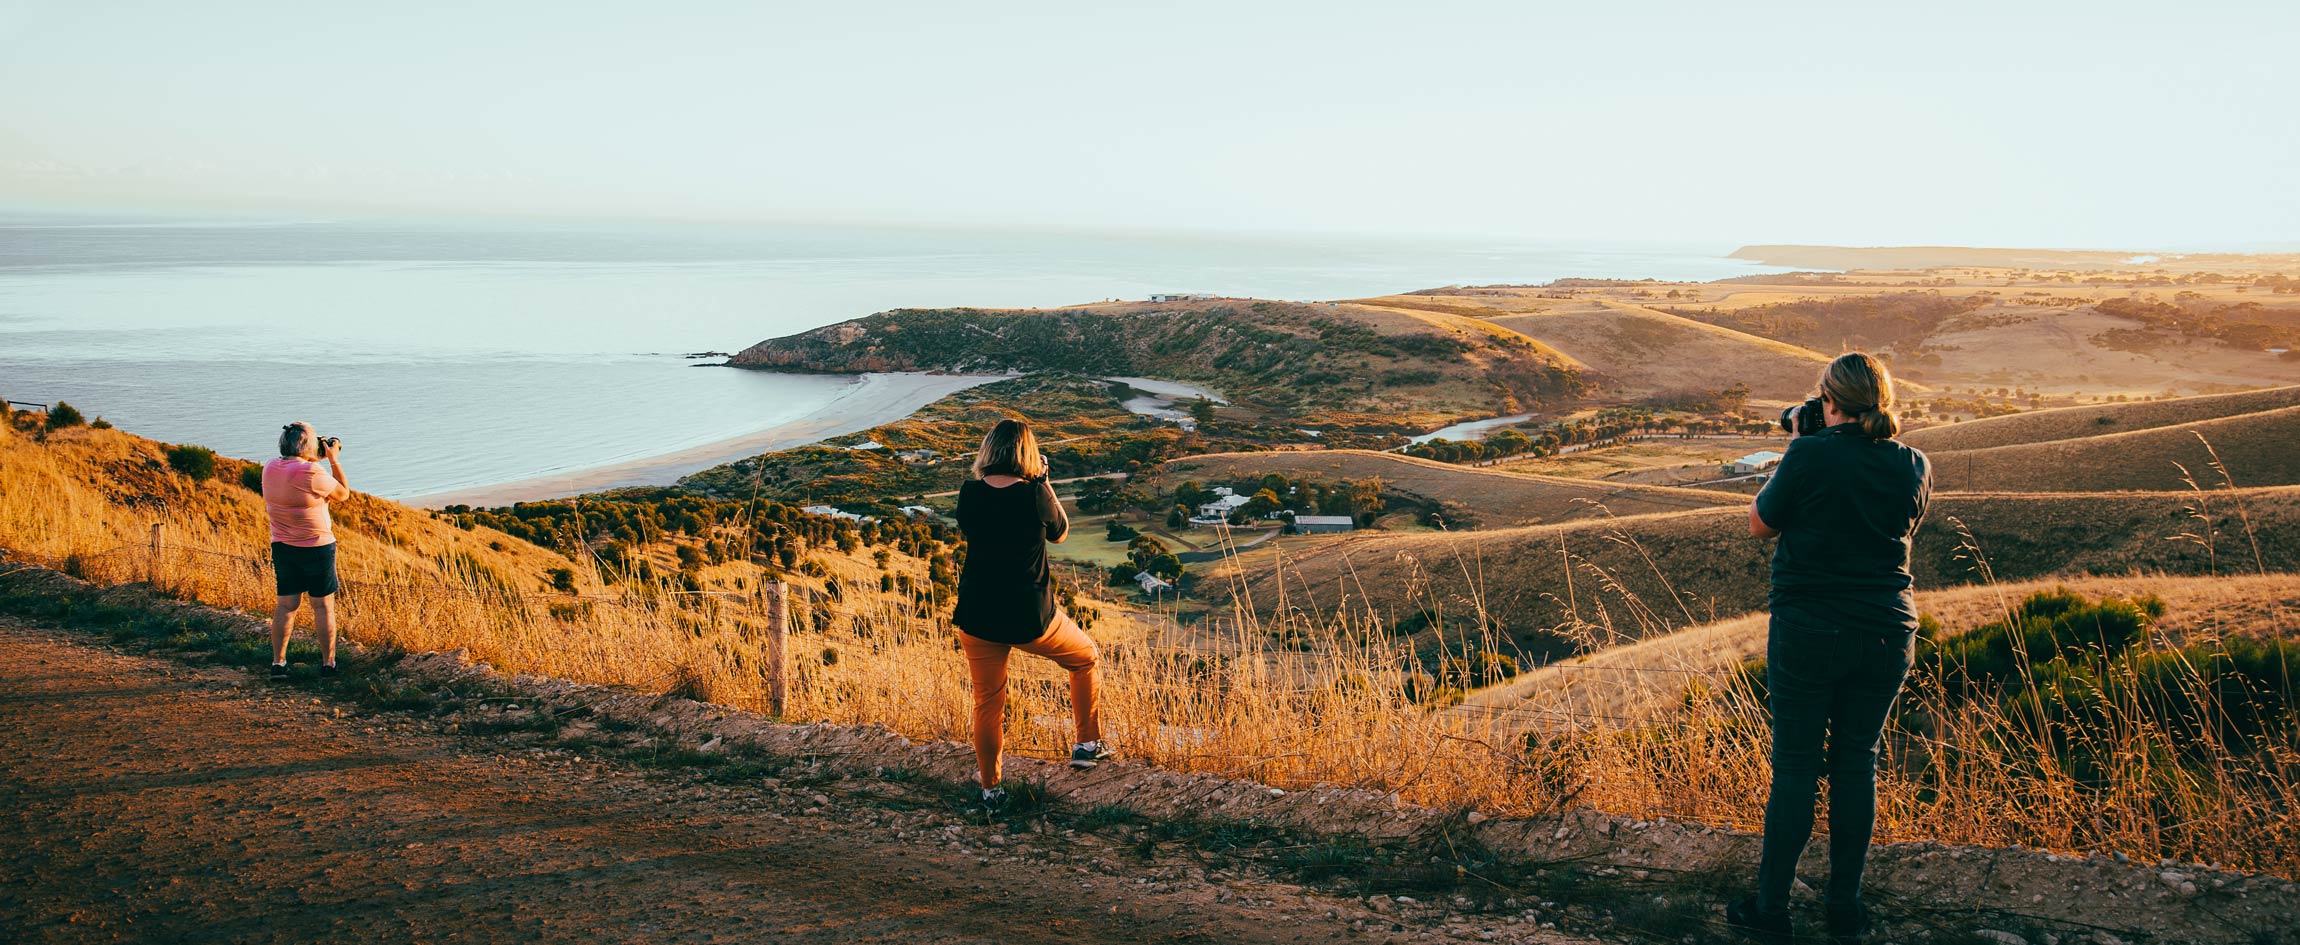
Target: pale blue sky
[(2107, 124)]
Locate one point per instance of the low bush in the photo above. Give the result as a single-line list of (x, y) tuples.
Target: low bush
[(63, 415), (197, 463)]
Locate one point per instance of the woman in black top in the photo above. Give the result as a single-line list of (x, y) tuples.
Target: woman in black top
[(1006, 601), (1844, 503)]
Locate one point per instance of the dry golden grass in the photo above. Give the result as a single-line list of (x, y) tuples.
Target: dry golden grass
[(1688, 568), (1642, 352), (1638, 351), (87, 489), (1648, 678), (2031, 329), (1656, 461), (2067, 423), (1496, 496), (1308, 698), (2262, 449)]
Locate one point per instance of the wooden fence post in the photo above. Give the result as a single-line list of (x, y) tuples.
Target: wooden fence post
[(152, 564), (778, 650)]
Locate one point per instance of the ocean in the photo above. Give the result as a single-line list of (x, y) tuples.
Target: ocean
[(455, 354)]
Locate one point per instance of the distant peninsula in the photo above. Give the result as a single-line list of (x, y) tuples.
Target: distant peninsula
[(1939, 257)]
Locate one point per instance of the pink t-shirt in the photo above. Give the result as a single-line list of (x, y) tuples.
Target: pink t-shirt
[(295, 498)]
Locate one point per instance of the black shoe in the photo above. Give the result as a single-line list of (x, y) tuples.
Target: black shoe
[(1088, 754), (1742, 915), (327, 669), (279, 671), (1846, 923)]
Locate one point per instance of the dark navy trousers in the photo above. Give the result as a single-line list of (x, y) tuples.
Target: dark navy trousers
[(1830, 694)]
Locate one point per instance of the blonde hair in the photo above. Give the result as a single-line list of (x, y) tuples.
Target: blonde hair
[(295, 438), (1863, 390), (1009, 449)]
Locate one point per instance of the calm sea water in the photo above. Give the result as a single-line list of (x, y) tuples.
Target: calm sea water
[(453, 354)]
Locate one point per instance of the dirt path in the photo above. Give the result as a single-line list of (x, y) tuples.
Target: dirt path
[(149, 800)]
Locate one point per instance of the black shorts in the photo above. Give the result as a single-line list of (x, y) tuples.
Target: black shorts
[(301, 570)]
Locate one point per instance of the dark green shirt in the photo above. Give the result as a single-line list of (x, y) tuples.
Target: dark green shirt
[(1846, 506)]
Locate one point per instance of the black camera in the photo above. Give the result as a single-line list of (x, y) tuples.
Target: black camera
[(329, 442), (1805, 420)]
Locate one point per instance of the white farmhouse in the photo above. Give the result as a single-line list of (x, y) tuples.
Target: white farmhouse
[(1222, 507), (1756, 462)]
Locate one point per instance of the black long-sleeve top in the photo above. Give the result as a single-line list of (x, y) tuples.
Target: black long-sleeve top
[(1005, 590)]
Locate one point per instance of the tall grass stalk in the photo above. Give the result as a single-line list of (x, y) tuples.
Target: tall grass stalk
[(1290, 697)]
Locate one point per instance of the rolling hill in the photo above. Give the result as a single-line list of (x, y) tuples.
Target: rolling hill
[(1637, 352), (1327, 364), (2259, 448), (1931, 257), (1491, 497), (1603, 582), (1638, 679), (2064, 423)]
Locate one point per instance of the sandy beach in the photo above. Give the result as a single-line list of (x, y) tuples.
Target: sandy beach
[(871, 400)]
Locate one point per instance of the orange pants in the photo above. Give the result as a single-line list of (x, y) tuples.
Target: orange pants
[(1064, 643)]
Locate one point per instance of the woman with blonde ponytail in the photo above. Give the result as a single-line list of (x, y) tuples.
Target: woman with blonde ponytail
[(1844, 503)]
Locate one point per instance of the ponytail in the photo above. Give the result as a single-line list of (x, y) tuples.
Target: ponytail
[(1862, 389), (1880, 424)]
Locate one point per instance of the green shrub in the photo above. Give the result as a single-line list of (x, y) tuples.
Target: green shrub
[(252, 478), (2048, 625), (197, 463), (63, 415)]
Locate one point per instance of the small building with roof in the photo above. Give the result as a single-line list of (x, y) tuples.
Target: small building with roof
[(1756, 462)]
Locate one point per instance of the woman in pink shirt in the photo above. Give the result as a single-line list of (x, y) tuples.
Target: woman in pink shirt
[(297, 490)]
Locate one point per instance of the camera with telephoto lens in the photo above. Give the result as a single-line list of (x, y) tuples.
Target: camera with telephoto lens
[(328, 443), (1804, 420)]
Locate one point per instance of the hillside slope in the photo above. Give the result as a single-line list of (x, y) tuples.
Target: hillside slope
[(86, 500), (80, 489), (1650, 675), (1640, 352), (1332, 363), (1603, 582), (2257, 449), (2065, 423), (1632, 351), (1491, 497)]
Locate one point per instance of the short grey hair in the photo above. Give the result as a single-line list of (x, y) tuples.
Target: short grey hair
[(295, 438)]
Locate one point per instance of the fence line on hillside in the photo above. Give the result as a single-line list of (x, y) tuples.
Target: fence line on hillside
[(159, 563)]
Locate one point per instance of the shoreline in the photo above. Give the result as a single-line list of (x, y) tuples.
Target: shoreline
[(873, 399)]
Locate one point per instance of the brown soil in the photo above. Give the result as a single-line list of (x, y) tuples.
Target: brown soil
[(152, 801)]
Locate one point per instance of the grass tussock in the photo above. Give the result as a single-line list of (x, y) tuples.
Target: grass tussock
[(1297, 697)]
